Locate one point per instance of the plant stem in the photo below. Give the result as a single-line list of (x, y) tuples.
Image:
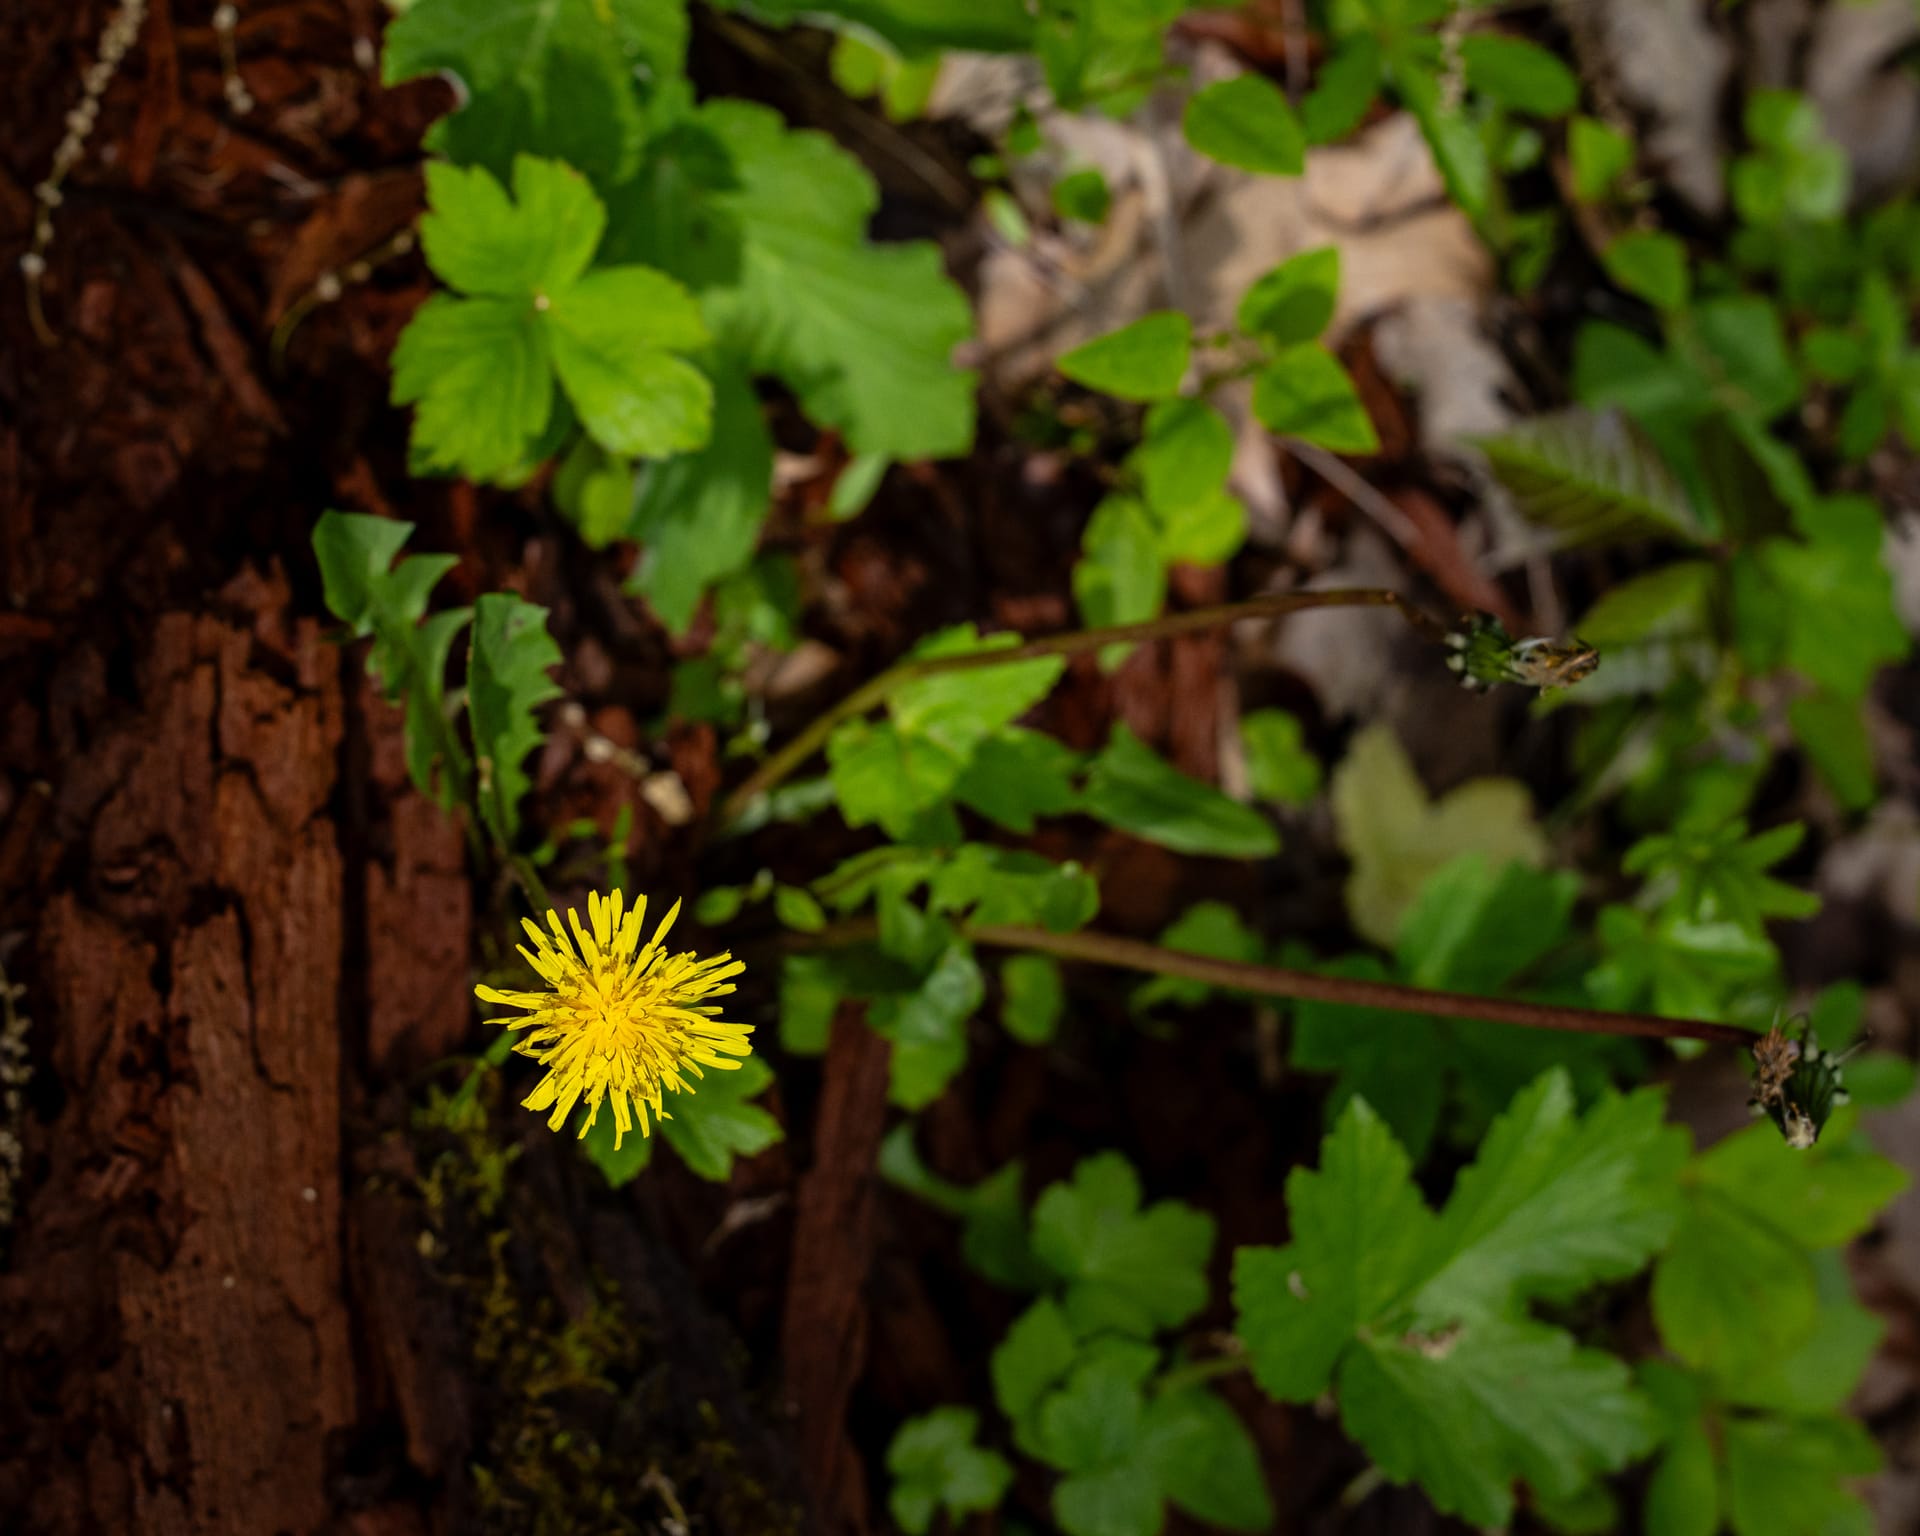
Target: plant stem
[(876, 690), (1309, 986)]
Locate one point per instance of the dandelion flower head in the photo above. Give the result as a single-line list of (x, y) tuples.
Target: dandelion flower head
[(622, 1020)]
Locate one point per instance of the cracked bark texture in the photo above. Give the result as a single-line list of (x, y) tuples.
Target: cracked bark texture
[(173, 1336)]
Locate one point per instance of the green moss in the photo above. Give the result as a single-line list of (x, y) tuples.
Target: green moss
[(573, 1428)]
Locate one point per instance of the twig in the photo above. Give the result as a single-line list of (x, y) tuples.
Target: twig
[(876, 690)]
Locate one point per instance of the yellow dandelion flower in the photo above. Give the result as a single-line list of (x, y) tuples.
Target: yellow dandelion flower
[(622, 1020)]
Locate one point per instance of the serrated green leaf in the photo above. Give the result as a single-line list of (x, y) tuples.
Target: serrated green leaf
[(1784, 1476), (863, 333), (1464, 1414), (409, 652), (1245, 122), (1134, 789), (477, 372), (1204, 1460), (1591, 477), (714, 1124), (1305, 393), (506, 682), (613, 335), (1554, 1202), (935, 1465), (1294, 302), (488, 41), (481, 243), (1126, 1269), (1038, 1351), (1732, 1293), (1821, 1197), (1142, 361), (1362, 1242)]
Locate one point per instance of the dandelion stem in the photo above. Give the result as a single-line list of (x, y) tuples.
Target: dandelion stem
[(877, 690), (1310, 986)]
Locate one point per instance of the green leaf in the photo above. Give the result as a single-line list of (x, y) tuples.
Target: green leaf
[(1739, 343), (1083, 195), (863, 333), (1210, 928), (1651, 264), (1519, 74), (1599, 155), (1822, 1197), (1032, 998), (1126, 1269), (1121, 576), (1142, 361), (697, 516), (712, 1125), (1038, 1351), (1465, 1414), (1362, 1242), (1279, 764), (481, 243), (1016, 776), (1091, 1428), (1713, 872), (612, 335), (961, 709), (1476, 924), (994, 1238), (1205, 1461), (1345, 87), (810, 995), (1652, 630), (477, 372), (595, 490), (917, 27), (409, 652), (796, 909), (1439, 1374), (619, 1165), (1134, 789), (1397, 838), (1012, 885), (1784, 1476), (1184, 455), (1591, 477), (1841, 624), (1305, 393), (1245, 122), (928, 1027), (506, 682), (489, 41), (1732, 1292), (1554, 1203), (1294, 302), (935, 1465), (1398, 1063)]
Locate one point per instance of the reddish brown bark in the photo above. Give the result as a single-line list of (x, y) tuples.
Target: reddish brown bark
[(181, 1260), (824, 1335)]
